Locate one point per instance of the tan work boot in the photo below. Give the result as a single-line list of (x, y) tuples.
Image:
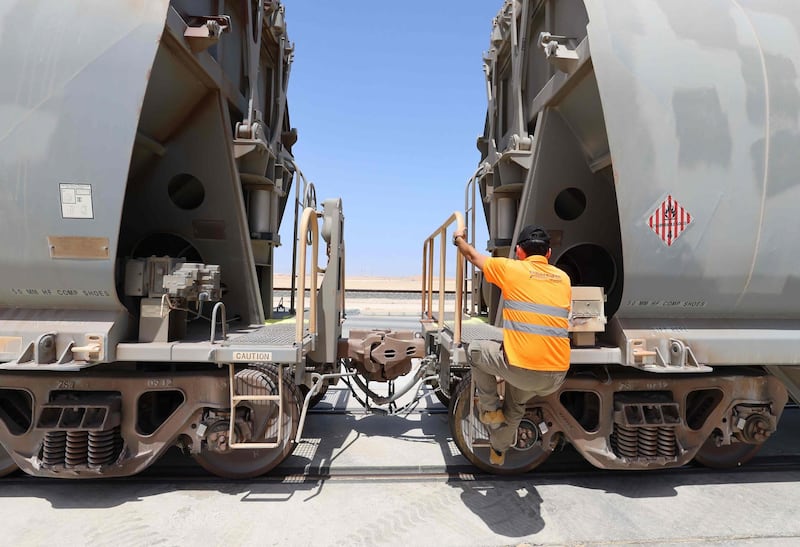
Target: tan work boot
[(496, 458), (493, 417)]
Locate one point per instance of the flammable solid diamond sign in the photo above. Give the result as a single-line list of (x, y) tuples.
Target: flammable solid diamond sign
[(669, 220)]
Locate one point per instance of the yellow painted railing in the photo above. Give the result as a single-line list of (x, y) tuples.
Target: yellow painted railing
[(309, 233), (427, 275)]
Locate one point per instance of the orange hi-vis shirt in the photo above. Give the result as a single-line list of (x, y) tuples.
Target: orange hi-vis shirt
[(537, 300)]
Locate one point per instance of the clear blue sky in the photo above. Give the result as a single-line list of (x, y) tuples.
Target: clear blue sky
[(388, 99)]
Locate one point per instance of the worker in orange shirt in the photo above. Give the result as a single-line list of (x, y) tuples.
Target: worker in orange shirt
[(534, 356)]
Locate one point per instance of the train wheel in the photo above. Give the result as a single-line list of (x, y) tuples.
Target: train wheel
[(7, 464), (725, 456), (316, 399), (247, 463), (444, 399), (467, 431)]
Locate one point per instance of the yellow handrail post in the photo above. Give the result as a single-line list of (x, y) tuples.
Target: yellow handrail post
[(424, 279), (305, 225), (427, 274), (459, 304), (430, 278), (442, 272)]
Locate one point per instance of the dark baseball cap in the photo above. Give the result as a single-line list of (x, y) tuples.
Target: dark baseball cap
[(534, 233)]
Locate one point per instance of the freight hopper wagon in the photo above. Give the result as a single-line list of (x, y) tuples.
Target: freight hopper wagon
[(145, 164), (657, 142)]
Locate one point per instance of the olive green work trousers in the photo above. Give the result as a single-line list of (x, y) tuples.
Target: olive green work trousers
[(489, 361)]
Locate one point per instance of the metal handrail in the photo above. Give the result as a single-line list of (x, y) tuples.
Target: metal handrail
[(308, 192), (306, 226), (219, 306), (427, 275), (470, 197), (318, 381), (469, 212)]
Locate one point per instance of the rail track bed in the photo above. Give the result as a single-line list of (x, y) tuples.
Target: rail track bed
[(343, 442), (368, 479)]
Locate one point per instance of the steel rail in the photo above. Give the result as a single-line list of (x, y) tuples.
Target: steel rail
[(552, 472)]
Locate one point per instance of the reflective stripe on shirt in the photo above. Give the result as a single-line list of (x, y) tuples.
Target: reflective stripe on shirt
[(541, 309), (527, 328)]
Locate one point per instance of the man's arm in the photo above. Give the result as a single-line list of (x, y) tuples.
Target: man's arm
[(469, 252)]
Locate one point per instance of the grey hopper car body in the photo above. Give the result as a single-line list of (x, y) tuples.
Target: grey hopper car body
[(655, 141), (138, 139)]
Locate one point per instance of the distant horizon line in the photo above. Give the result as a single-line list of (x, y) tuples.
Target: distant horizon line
[(382, 283), (366, 276)]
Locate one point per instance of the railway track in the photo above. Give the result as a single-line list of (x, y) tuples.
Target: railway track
[(780, 455), (461, 473)]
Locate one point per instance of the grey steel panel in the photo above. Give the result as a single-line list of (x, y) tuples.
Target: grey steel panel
[(259, 353), (471, 331), (720, 342), (276, 339), (193, 352), (199, 352), (702, 102), (152, 352), (595, 356), (69, 108), (18, 328)]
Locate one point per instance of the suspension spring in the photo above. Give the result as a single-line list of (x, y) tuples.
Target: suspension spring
[(77, 448), (626, 441), (667, 442), (102, 445), (54, 449), (648, 442)]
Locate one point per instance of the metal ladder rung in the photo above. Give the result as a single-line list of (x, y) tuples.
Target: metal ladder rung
[(239, 398), (475, 424)]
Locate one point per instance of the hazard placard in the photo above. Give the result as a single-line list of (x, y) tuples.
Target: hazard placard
[(669, 220)]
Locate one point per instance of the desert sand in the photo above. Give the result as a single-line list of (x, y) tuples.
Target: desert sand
[(383, 284), (382, 303)]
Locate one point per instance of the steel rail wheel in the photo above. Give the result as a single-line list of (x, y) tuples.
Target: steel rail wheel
[(316, 399), (247, 463), (7, 464), (466, 429), (444, 399), (725, 456)]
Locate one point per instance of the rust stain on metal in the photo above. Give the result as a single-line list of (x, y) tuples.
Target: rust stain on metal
[(78, 248)]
